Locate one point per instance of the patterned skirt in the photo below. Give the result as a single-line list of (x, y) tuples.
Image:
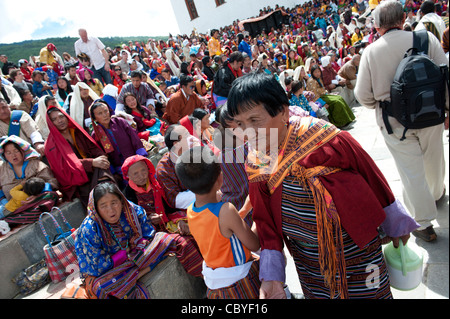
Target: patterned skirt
[(246, 288), (121, 282), (367, 275)]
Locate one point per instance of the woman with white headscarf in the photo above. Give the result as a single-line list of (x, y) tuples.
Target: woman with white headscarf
[(43, 104), (173, 62), (78, 107)]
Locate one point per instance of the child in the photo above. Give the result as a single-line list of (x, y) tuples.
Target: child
[(40, 87), (23, 192), (224, 239)]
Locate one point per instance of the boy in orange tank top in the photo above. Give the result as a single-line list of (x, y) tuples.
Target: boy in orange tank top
[(225, 241)]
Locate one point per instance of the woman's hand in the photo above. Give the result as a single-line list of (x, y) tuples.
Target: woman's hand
[(101, 162), (183, 228), (272, 290), (155, 218)]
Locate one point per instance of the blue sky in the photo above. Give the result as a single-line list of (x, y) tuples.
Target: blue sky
[(102, 18)]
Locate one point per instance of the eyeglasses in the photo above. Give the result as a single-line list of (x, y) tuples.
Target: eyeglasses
[(117, 69)]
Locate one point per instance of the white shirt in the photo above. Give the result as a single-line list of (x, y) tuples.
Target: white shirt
[(93, 48)]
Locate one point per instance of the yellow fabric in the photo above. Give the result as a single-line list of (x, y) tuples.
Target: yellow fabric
[(214, 47), (17, 196)]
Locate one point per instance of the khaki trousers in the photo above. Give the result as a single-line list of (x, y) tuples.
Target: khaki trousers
[(421, 166)]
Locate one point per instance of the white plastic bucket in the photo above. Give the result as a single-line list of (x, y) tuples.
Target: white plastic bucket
[(405, 266)]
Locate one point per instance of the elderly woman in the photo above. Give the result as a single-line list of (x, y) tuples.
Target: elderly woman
[(144, 189), (19, 163), (76, 160), (116, 137), (340, 113), (116, 246), (313, 187)]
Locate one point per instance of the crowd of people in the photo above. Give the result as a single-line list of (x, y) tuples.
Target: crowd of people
[(89, 126)]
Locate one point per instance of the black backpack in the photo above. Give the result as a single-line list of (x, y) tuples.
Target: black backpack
[(418, 90)]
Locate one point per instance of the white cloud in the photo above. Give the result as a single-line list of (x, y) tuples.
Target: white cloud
[(101, 18)]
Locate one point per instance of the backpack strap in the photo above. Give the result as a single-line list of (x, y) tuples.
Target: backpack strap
[(420, 41), (14, 123)]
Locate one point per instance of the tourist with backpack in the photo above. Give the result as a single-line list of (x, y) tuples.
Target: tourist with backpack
[(411, 120)]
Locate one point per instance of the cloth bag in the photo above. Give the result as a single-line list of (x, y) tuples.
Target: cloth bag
[(59, 253), (32, 278)]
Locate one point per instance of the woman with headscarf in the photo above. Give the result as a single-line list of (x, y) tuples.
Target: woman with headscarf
[(20, 162), (76, 160), (144, 189), (340, 113), (77, 105), (116, 246), (173, 62), (43, 104)]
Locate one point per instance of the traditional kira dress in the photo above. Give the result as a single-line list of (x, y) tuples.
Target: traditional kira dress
[(107, 269), (326, 199)]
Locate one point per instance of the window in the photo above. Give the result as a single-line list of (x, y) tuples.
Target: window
[(191, 8), (219, 2)]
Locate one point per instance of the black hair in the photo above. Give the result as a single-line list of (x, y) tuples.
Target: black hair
[(314, 68), (169, 136), (106, 188), (256, 88), (296, 85), (199, 113), (198, 169), (185, 79), (96, 104), (427, 7), (136, 74), (236, 56), (34, 186), (139, 107)]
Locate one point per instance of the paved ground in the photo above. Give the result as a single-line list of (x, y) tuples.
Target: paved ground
[(435, 283)]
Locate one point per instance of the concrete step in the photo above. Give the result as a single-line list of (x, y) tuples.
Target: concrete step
[(25, 247), (19, 250)]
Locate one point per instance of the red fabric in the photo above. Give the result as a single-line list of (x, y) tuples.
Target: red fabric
[(360, 192), (188, 125), (64, 163), (158, 192)]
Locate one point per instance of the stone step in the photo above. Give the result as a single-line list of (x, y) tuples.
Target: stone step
[(25, 247)]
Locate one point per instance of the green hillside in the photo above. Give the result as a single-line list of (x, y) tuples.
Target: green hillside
[(23, 50)]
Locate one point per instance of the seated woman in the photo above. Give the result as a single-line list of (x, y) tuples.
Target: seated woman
[(142, 116), (77, 104), (339, 113), (193, 126), (19, 163), (86, 76), (117, 138), (144, 190), (76, 160), (116, 246), (205, 127)]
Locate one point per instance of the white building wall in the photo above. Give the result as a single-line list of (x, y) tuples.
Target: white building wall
[(212, 17)]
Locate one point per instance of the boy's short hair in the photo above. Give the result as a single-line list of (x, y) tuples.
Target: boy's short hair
[(198, 169), (34, 186)]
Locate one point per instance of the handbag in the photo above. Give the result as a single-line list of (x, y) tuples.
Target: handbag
[(32, 278), (59, 253)]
